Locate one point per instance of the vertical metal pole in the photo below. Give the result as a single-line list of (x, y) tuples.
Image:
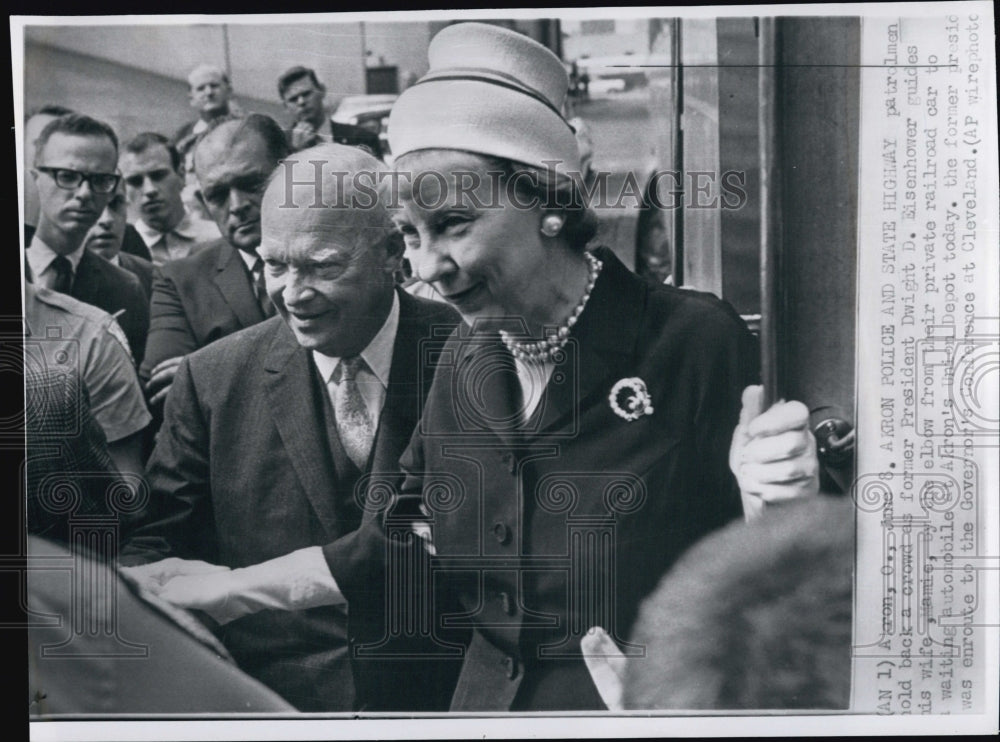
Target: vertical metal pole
[(677, 269), (364, 57), (770, 207), (225, 52)]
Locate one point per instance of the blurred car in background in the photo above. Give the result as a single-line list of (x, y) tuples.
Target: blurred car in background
[(369, 112)]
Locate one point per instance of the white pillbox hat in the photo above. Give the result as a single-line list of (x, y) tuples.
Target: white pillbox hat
[(490, 91)]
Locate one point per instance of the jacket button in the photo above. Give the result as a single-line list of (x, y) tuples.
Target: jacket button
[(507, 605), (510, 667), (501, 532)]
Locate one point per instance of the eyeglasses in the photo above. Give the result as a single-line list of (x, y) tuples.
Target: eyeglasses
[(71, 179)]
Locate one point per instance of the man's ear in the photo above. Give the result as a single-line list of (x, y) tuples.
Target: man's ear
[(394, 247)]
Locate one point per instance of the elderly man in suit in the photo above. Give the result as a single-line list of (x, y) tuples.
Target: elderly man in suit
[(74, 171), (270, 436), (219, 289)]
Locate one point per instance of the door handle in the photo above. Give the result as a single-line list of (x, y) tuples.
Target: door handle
[(834, 442)]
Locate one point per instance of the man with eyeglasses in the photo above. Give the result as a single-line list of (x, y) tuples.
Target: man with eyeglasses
[(154, 180), (219, 289), (74, 171)]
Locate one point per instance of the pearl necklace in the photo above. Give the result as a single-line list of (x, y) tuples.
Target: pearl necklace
[(545, 350)]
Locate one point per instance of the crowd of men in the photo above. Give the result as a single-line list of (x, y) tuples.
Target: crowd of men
[(140, 253)]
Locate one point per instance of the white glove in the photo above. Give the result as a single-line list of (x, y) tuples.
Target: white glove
[(606, 665), (292, 582), (155, 575), (773, 454)]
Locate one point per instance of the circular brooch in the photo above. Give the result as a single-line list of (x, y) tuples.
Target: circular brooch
[(630, 399)]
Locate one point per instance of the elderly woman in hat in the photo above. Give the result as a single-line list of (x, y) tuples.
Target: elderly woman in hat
[(577, 436)]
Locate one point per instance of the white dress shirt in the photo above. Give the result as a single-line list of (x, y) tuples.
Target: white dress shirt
[(533, 376), (249, 259), (178, 242)]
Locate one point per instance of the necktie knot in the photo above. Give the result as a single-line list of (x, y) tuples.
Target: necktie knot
[(63, 274), (348, 368)]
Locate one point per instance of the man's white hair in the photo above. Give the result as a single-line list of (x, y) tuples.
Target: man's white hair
[(201, 68)]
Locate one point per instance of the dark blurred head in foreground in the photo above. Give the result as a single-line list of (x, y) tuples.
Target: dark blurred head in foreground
[(756, 616)]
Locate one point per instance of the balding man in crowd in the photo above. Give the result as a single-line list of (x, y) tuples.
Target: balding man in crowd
[(270, 434), (209, 92), (219, 289)]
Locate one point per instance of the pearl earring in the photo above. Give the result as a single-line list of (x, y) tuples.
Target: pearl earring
[(552, 224)]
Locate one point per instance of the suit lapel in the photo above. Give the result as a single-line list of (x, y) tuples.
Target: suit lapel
[(492, 393), (403, 394), (87, 282), (297, 411), (233, 280)]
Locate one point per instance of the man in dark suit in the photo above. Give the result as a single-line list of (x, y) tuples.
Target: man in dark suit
[(74, 170), (271, 435), (217, 290), (106, 238), (303, 96)]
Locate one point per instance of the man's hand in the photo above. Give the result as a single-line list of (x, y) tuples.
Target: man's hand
[(773, 453), (155, 575), (304, 135), (216, 593), (423, 530), (606, 665), (295, 581), (161, 377)]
